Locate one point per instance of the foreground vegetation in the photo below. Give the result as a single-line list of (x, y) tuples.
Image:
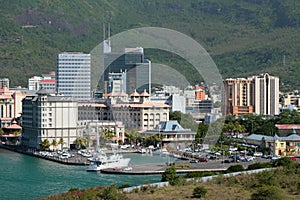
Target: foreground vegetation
[(280, 183)]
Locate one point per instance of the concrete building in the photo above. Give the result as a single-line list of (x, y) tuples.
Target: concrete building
[(256, 94), (49, 117), (238, 96), (283, 146), (46, 81), (265, 94), (291, 100), (135, 112), (173, 135), (10, 106), (137, 69), (74, 75)]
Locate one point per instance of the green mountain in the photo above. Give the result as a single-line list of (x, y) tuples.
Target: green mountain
[(245, 37)]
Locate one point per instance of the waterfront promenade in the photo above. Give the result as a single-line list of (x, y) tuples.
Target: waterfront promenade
[(182, 166)]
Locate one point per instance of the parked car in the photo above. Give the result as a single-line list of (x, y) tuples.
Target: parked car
[(225, 161), (193, 161), (258, 154), (293, 158), (203, 159)]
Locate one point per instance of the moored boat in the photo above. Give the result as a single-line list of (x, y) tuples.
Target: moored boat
[(113, 161)]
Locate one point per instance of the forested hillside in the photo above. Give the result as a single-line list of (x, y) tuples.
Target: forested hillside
[(245, 37)]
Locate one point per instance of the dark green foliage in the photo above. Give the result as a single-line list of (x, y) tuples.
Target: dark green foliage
[(235, 168), (268, 193), (224, 28), (285, 162), (199, 192), (199, 174), (259, 166), (112, 193), (170, 175)]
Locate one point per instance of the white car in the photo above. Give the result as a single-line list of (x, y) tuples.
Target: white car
[(258, 154)]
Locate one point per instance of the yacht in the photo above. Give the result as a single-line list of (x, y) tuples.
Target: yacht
[(113, 161)]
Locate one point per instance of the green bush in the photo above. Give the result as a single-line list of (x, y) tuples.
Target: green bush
[(259, 166), (268, 193), (199, 174), (235, 168), (285, 162), (112, 193), (199, 192), (169, 175)]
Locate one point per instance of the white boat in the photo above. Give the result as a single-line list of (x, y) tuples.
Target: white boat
[(162, 152), (113, 161)]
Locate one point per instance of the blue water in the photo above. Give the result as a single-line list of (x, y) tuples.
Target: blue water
[(26, 177)]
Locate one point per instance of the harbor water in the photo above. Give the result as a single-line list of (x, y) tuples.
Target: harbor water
[(27, 177)]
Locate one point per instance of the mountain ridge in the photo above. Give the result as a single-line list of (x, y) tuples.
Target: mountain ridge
[(243, 38)]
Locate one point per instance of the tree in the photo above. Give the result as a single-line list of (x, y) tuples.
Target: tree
[(1, 131), (132, 136), (201, 132), (80, 142), (54, 144), (61, 142), (45, 144), (176, 115), (170, 175)]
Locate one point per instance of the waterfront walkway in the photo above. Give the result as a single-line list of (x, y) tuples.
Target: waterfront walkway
[(159, 168)]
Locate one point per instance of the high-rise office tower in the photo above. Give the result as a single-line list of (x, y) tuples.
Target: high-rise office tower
[(132, 62), (74, 75)]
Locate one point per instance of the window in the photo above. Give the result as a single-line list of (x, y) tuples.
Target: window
[(281, 144)]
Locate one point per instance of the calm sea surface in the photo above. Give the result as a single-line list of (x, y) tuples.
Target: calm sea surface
[(26, 177)]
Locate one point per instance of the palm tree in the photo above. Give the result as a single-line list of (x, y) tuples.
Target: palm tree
[(61, 142), (54, 144), (1, 131), (45, 144), (79, 142), (133, 136)]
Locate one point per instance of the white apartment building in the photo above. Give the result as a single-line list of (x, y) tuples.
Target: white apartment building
[(46, 81), (48, 117), (74, 75), (266, 94)]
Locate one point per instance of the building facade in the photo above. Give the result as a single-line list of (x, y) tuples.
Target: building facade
[(256, 94), (266, 94), (74, 75), (137, 69), (48, 117)]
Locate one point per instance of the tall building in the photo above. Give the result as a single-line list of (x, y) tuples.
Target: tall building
[(265, 94), (136, 68), (74, 75), (256, 94), (238, 96), (48, 117)]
